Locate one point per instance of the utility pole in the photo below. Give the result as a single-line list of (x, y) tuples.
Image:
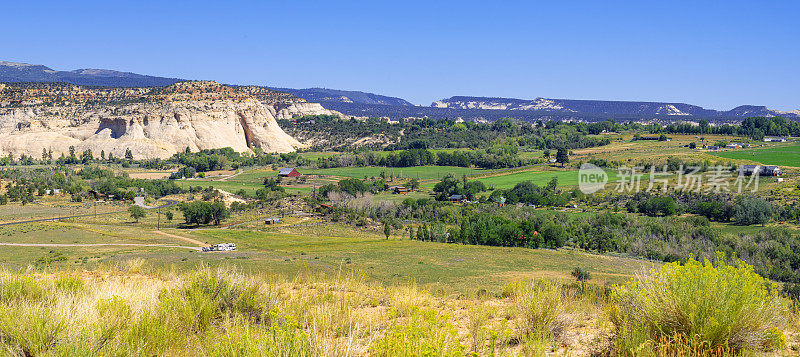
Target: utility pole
[(158, 213)]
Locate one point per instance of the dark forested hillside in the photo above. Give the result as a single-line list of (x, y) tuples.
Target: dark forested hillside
[(324, 95), (605, 107), (21, 72)]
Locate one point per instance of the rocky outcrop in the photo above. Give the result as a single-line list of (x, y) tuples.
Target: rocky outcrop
[(156, 127), (293, 110)]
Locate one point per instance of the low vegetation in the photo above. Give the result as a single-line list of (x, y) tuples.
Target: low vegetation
[(698, 309)]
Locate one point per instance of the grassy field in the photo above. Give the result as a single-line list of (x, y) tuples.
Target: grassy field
[(622, 148), (785, 154), (54, 206), (566, 178), (229, 186), (290, 249)]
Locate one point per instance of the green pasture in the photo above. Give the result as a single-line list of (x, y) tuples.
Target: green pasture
[(787, 154), (419, 172), (454, 266), (538, 177)]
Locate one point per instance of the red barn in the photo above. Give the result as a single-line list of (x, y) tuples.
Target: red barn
[(288, 172)]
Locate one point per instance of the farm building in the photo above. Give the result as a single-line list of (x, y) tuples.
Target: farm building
[(748, 170), (288, 172), (457, 198), (771, 171), (399, 189), (273, 220), (775, 140)]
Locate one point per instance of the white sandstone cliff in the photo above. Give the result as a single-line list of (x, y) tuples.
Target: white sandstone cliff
[(149, 129)]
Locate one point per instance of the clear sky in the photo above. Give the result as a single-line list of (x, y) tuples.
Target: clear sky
[(716, 54)]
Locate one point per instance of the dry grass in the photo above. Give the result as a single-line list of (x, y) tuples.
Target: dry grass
[(132, 309)]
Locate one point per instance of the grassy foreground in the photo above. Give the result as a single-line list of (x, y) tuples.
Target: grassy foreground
[(131, 309)]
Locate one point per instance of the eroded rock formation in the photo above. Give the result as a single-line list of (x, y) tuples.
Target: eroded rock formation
[(153, 123)]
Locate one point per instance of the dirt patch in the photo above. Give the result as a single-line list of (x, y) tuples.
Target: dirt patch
[(185, 239), (150, 175)]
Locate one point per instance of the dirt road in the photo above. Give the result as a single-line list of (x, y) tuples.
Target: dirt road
[(185, 239), (95, 245)]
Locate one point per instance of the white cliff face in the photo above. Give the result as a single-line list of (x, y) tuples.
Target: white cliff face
[(149, 130), (669, 110), (299, 109), (500, 104)]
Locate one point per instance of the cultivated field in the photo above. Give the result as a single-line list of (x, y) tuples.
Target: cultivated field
[(783, 154)]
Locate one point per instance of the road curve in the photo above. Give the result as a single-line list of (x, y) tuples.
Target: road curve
[(168, 204)]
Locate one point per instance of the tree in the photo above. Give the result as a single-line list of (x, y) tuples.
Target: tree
[(353, 186), (562, 156), (137, 212), (658, 206), (387, 229), (87, 156), (752, 210), (201, 212), (219, 212), (128, 154), (169, 215)]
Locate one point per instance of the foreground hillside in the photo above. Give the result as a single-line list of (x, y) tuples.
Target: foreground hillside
[(132, 310)]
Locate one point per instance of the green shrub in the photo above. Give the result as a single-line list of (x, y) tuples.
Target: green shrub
[(28, 330), (280, 339), (20, 287), (208, 295), (426, 334), (544, 309), (69, 283), (698, 308)]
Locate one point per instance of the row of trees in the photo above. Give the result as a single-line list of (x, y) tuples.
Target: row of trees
[(744, 209), (202, 212), (753, 127)]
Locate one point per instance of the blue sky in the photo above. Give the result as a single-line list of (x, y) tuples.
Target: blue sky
[(717, 54)]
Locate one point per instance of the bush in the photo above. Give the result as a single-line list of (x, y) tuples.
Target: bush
[(581, 274), (29, 330), (544, 310), (69, 283), (20, 287), (426, 334), (698, 308), (216, 295)]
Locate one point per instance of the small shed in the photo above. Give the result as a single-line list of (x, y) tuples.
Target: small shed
[(399, 189), (288, 172), (272, 220)]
